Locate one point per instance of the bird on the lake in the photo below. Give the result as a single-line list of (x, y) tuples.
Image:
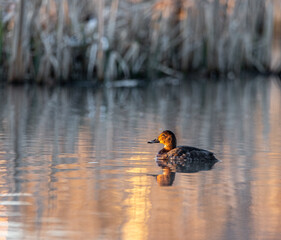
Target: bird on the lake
[(182, 158)]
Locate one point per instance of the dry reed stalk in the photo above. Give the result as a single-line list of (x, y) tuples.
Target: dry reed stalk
[(112, 20), (60, 31), (268, 36), (92, 60), (100, 54), (16, 65), (1, 39), (44, 65), (74, 14)]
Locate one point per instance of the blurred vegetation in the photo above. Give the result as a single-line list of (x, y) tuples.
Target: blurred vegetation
[(59, 40)]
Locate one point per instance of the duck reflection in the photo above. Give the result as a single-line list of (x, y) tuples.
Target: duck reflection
[(169, 169), (189, 166), (166, 178)]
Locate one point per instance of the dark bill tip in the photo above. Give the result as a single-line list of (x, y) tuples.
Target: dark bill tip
[(154, 141)]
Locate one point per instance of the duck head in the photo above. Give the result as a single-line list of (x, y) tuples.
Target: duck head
[(167, 138)]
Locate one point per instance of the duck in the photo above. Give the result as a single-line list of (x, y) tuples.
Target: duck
[(182, 158)]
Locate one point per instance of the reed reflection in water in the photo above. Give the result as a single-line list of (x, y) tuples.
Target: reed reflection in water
[(75, 162)]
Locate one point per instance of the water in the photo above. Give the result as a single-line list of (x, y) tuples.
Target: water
[(75, 164)]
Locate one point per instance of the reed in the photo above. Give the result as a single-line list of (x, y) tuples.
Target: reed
[(58, 40), (1, 41), (17, 64)]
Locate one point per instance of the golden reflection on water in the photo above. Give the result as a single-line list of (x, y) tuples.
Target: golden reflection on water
[(266, 193), (137, 209), (4, 224), (76, 163)]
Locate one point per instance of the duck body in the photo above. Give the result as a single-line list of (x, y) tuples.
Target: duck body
[(182, 158), (186, 159)]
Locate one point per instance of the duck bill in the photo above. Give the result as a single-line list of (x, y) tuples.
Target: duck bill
[(154, 141)]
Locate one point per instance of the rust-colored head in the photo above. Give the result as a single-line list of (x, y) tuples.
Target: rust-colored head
[(167, 138)]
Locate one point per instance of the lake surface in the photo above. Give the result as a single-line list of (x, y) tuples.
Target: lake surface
[(75, 163)]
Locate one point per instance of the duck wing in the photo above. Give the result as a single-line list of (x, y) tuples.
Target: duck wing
[(191, 159), (187, 151)]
